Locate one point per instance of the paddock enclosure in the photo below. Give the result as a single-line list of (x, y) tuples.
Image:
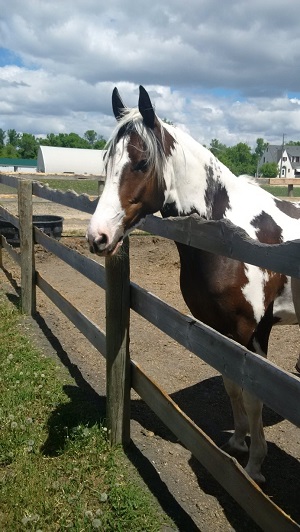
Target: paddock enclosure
[(257, 375)]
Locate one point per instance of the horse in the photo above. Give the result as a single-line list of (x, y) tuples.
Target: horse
[(153, 166)]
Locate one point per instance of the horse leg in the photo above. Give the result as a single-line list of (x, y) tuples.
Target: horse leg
[(253, 406), (236, 443), (247, 409), (258, 446), (247, 415)]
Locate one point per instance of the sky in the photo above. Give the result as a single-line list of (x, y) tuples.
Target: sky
[(217, 69)]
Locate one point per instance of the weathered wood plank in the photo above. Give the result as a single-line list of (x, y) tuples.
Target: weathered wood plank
[(88, 267), (80, 202), (28, 293), (9, 217), (9, 180), (89, 329), (10, 250), (117, 346), (223, 238), (11, 177), (259, 376), (225, 469), (284, 181)]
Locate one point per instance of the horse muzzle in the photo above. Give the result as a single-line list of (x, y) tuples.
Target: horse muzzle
[(101, 246)]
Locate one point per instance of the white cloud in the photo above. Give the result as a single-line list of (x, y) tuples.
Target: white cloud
[(219, 70)]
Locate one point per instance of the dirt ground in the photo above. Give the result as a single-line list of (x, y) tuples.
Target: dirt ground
[(183, 488)]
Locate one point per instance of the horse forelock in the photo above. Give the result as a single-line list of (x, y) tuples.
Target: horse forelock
[(156, 148)]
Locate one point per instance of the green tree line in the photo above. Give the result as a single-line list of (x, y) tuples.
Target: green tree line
[(241, 159), (26, 145)]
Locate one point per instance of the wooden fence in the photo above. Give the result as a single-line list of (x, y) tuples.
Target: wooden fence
[(252, 372), (290, 182)]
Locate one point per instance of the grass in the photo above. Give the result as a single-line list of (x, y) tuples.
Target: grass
[(279, 191), (57, 469), (81, 186)]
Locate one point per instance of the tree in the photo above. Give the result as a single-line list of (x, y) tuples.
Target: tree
[(91, 136), (217, 148), (261, 147), (50, 140), (72, 140), (28, 146), (2, 137), (100, 143), (269, 170), (242, 161), (9, 151), (13, 137), (65, 140)]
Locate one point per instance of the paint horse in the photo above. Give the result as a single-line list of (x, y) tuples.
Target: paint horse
[(152, 166)]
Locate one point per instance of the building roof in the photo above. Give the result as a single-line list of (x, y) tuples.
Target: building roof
[(52, 159), (15, 161), (273, 153)]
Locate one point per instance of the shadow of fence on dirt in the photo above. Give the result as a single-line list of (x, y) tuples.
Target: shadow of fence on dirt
[(201, 402)]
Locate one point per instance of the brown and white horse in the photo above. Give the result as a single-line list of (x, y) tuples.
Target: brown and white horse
[(152, 166)]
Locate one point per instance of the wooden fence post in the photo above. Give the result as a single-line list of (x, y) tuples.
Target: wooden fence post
[(28, 288), (117, 345)]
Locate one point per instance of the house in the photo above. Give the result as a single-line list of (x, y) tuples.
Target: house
[(286, 157), (52, 160), (8, 164)]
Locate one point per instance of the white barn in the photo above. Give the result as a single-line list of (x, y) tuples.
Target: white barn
[(54, 160)]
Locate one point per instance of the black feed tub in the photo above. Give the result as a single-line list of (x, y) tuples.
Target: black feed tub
[(50, 225)]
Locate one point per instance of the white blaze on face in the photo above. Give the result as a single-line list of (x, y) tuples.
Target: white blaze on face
[(108, 216)]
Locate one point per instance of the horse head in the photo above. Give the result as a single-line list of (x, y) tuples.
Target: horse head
[(135, 185)]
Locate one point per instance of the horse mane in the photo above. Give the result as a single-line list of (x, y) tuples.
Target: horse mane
[(131, 121)]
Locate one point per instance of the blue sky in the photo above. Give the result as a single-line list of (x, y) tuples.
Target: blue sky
[(218, 70), (8, 57)]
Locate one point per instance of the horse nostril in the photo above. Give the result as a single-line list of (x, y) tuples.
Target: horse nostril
[(102, 239), (99, 243)]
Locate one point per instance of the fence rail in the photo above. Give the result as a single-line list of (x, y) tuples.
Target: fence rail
[(289, 181), (258, 375)]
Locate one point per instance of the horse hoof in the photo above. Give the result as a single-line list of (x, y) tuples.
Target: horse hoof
[(297, 367), (234, 448), (257, 477)]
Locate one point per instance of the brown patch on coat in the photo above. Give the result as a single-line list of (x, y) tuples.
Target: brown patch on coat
[(165, 139), (216, 196), (267, 230), (140, 190), (288, 208), (211, 286)]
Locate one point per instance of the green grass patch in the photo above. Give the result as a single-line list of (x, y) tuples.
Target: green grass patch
[(57, 469), (81, 186), (280, 191)]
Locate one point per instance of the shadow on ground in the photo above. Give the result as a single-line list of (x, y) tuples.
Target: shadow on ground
[(207, 404)]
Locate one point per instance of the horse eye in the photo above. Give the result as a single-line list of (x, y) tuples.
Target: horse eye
[(141, 165)]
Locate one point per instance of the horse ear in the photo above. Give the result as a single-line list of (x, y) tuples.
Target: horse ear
[(117, 104), (146, 108)]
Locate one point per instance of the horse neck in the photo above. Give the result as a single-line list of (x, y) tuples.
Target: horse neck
[(193, 177)]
